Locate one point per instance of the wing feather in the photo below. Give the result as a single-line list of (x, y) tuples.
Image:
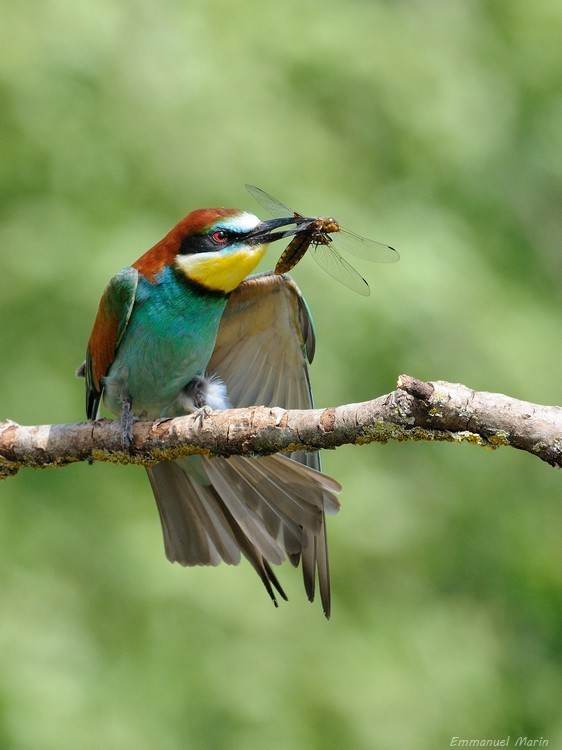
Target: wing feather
[(264, 344), (269, 508), (111, 322)]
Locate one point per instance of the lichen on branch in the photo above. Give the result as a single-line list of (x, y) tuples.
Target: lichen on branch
[(416, 410)]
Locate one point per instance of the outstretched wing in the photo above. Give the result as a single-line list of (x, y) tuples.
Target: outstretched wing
[(111, 321), (264, 344)]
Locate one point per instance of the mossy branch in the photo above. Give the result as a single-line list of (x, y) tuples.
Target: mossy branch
[(417, 410)]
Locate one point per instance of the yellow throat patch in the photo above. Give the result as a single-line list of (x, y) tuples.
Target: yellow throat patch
[(221, 272)]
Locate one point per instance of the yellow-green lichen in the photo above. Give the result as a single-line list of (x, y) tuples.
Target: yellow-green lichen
[(465, 436), (171, 454), (501, 437), (115, 457), (542, 445), (403, 413), (466, 412), (381, 432), (439, 398)]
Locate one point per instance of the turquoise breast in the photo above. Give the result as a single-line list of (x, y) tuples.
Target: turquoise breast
[(168, 341)]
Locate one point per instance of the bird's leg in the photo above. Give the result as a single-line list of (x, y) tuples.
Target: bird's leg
[(202, 413), (126, 424), (196, 390), (204, 394)]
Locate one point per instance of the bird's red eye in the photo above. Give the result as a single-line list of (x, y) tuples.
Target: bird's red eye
[(220, 236)]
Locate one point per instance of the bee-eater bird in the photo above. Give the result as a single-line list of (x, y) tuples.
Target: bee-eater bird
[(185, 328)]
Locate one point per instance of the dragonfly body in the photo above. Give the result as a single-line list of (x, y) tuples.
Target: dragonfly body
[(317, 234), (314, 233)]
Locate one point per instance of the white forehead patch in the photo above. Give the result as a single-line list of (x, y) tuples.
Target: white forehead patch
[(242, 222)]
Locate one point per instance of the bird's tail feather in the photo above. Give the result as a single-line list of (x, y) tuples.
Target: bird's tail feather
[(268, 508)]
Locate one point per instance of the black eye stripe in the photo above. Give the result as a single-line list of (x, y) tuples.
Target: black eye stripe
[(195, 244), (204, 243)]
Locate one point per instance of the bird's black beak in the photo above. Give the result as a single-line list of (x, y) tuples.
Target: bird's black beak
[(264, 232)]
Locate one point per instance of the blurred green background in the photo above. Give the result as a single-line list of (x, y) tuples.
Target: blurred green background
[(436, 127)]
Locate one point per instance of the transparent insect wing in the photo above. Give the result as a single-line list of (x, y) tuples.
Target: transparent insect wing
[(274, 207), (348, 241), (332, 262), (361, 247)]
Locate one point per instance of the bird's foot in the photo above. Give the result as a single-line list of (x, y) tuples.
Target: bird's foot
[(202, 413), (127, 420)]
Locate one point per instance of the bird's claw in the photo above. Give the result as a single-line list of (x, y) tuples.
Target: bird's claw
[(127, 420), (202, 413)]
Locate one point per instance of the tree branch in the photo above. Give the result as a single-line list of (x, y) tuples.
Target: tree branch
[(415, 411)]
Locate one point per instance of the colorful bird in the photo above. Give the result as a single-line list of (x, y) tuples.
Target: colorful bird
[(185, 328)]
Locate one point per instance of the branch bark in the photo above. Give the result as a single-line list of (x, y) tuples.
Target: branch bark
[(416, 410)]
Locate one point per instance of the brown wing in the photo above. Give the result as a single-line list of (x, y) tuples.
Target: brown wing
[(264, 344), (111, 321)]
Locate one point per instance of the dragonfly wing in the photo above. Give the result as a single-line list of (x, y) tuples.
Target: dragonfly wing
[(361, 247), (331, 261), (271, 204)]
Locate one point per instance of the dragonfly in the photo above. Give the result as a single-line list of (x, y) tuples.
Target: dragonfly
[(314, 233)]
